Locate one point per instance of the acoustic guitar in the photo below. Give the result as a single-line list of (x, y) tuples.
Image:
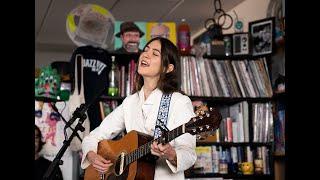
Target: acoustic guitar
[(131, 155)]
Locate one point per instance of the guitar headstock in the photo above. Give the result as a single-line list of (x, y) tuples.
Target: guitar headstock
[(204, 122)]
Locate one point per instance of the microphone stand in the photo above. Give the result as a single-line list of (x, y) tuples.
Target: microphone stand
[(78, 113), (54, 107)]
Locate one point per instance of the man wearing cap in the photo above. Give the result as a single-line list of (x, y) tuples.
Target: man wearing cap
[(130, 35)]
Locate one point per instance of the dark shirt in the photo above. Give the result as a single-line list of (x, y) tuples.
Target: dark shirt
[(96, 67), (122, 50), (40, 167)]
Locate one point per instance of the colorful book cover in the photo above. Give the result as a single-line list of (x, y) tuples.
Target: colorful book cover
[(204, 159)]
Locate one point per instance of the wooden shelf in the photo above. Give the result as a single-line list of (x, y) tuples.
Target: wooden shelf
[(123, 59), (231, 99), (279, 156), (233, 144), (234, 57), (103, 97), (124, 54), (48, 100), (231, 176), (279, 96), (211, 99)]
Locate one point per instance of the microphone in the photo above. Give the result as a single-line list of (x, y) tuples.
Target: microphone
[(46, 99), (54, 107), (78, 113)]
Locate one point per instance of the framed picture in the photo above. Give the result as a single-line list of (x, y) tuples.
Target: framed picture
[(261, 36)]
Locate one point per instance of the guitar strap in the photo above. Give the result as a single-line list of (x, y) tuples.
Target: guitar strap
[(162, 114)]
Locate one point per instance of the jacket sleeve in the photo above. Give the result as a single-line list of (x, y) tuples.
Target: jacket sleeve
[(185, 144), (110, 127)]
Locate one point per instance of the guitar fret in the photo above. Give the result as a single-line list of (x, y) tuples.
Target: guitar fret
[(146, 148), (132, 158), (137, 154), (140, 152), (129, 158), (172, 134)]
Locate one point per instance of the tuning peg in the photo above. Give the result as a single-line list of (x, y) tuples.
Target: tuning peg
[(207, 114), (201, 128), (201, 117), (194, 119), (207, 126), (200, 137), (211, 109)]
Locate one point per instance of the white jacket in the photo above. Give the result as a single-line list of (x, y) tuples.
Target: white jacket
[(136, 114)]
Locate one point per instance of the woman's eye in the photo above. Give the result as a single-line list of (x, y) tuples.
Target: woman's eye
[(155, 54)]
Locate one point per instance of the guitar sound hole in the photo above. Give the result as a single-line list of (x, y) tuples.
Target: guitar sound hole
[(117, 167), (120, 165)]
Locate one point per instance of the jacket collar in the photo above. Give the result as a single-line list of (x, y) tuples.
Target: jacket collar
[(154, 96)]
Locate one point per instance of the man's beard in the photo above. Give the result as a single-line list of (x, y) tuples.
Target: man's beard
[(132, 46)]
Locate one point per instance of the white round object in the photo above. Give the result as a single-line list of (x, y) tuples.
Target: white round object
[(90, 24)]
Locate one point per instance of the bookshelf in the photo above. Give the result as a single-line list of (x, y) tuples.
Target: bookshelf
[(229, 99)]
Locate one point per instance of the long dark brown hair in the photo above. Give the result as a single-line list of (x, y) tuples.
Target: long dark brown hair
[(168, 82), (41, 143)]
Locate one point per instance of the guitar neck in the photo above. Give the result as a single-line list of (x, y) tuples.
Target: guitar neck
[(146, 148)]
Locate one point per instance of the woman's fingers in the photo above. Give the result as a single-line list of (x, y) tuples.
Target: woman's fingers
[(101, 164), (159, 149), (102, 168)]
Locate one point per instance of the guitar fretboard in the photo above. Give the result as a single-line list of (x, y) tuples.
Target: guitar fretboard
[(146, 148)]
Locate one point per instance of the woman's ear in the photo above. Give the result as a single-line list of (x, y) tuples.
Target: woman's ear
[(170, 68)]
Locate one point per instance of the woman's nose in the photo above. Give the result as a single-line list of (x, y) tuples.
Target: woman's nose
[(146, 54)]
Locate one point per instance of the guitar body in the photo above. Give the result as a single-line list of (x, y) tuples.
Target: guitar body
[(143, 168)]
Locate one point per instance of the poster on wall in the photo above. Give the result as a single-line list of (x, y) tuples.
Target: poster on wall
[(165, 30), (262, 33), (140, 41), (146, 31)]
